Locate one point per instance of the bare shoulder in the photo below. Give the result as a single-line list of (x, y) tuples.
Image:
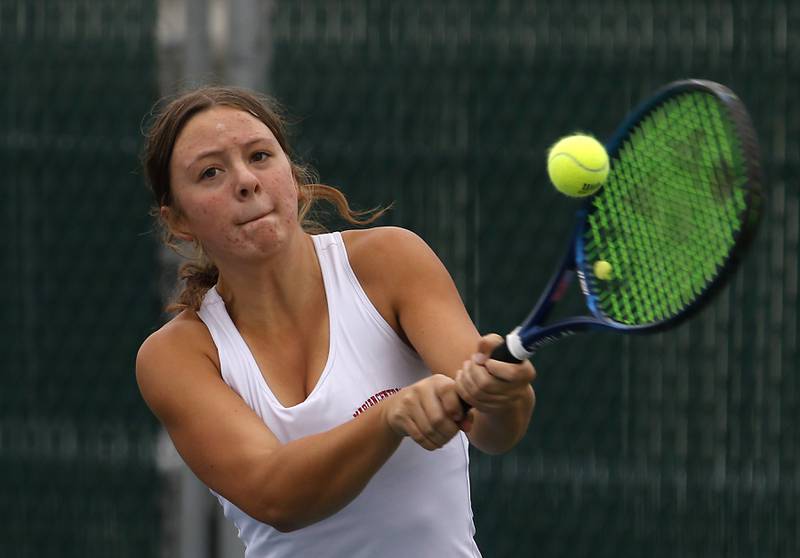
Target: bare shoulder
[(389, 262), (178, 352), (184, 334), (359, 239), (385, 251), (411, 288)]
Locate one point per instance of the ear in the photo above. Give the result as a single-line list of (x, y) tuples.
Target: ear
[(175, 223)]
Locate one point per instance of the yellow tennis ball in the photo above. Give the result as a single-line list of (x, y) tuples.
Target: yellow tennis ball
[(603, 270), (577, 165)]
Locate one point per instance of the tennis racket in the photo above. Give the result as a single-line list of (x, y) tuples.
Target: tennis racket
[(677, 212)]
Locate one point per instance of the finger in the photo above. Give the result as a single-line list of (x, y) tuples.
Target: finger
[(483, 379), (487, 343), (417, 435), (465, 386), (466, 423), (450, 401), (440, 426), (481, 390), (519, 373), (419, 416), (471, 386), (446, 390)]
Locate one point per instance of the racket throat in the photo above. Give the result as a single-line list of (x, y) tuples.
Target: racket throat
[(522, 351), (515, 346)]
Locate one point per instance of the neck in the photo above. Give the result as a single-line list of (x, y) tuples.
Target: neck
[(275, 293)]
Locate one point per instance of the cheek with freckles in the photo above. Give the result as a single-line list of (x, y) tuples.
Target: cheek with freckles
[(284, 194)]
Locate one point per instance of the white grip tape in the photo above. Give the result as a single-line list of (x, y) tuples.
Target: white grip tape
[(515, 347)]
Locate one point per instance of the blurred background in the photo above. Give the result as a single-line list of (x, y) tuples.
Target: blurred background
[(684, 444)]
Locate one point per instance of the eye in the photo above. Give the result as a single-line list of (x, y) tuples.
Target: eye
[(260, 156), (209, 173)]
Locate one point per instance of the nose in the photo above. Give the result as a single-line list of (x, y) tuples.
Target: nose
[(247, 184)]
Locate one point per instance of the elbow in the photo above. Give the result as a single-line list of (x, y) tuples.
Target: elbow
[(287, 517), (283, 525), (280, 518), (282, 501), (275, 519), (262, 494)]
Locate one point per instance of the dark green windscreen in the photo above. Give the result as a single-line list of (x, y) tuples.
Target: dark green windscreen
[(681, 444), (678, 445), (78, 276)]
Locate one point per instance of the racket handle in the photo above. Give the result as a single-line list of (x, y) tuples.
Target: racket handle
[(502, 354)]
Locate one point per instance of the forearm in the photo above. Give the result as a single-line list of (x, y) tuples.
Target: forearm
[(498, 431), (313, 477)]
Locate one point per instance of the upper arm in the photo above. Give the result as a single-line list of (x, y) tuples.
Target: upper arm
[(219, 437), (403, 270)]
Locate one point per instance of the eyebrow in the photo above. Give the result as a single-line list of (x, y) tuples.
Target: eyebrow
[(212, 152)]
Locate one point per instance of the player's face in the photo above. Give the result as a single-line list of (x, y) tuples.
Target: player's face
[(232, 185)]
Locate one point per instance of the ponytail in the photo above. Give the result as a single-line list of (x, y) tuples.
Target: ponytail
[(197, 278)]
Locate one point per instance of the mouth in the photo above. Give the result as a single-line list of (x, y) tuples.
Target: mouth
[(255, 218)]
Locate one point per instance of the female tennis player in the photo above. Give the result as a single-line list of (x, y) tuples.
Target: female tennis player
[(312, 381)]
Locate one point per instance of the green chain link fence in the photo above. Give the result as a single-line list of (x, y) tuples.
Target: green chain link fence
[(683, 444)]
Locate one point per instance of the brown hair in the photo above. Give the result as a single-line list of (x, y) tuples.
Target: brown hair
[(200, 274)]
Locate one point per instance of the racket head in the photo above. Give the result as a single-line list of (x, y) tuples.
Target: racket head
[(679, 208)]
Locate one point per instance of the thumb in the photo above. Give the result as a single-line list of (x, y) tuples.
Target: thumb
[(488, 342)]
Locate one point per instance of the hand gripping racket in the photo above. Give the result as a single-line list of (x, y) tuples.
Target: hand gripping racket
[(679, 207)]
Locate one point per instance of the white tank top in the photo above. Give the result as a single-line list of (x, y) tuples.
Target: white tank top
[(418, 504)]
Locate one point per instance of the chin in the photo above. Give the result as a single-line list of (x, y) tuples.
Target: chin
[(269, 238)]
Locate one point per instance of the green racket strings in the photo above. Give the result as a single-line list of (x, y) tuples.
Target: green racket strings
[(670, 211)]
